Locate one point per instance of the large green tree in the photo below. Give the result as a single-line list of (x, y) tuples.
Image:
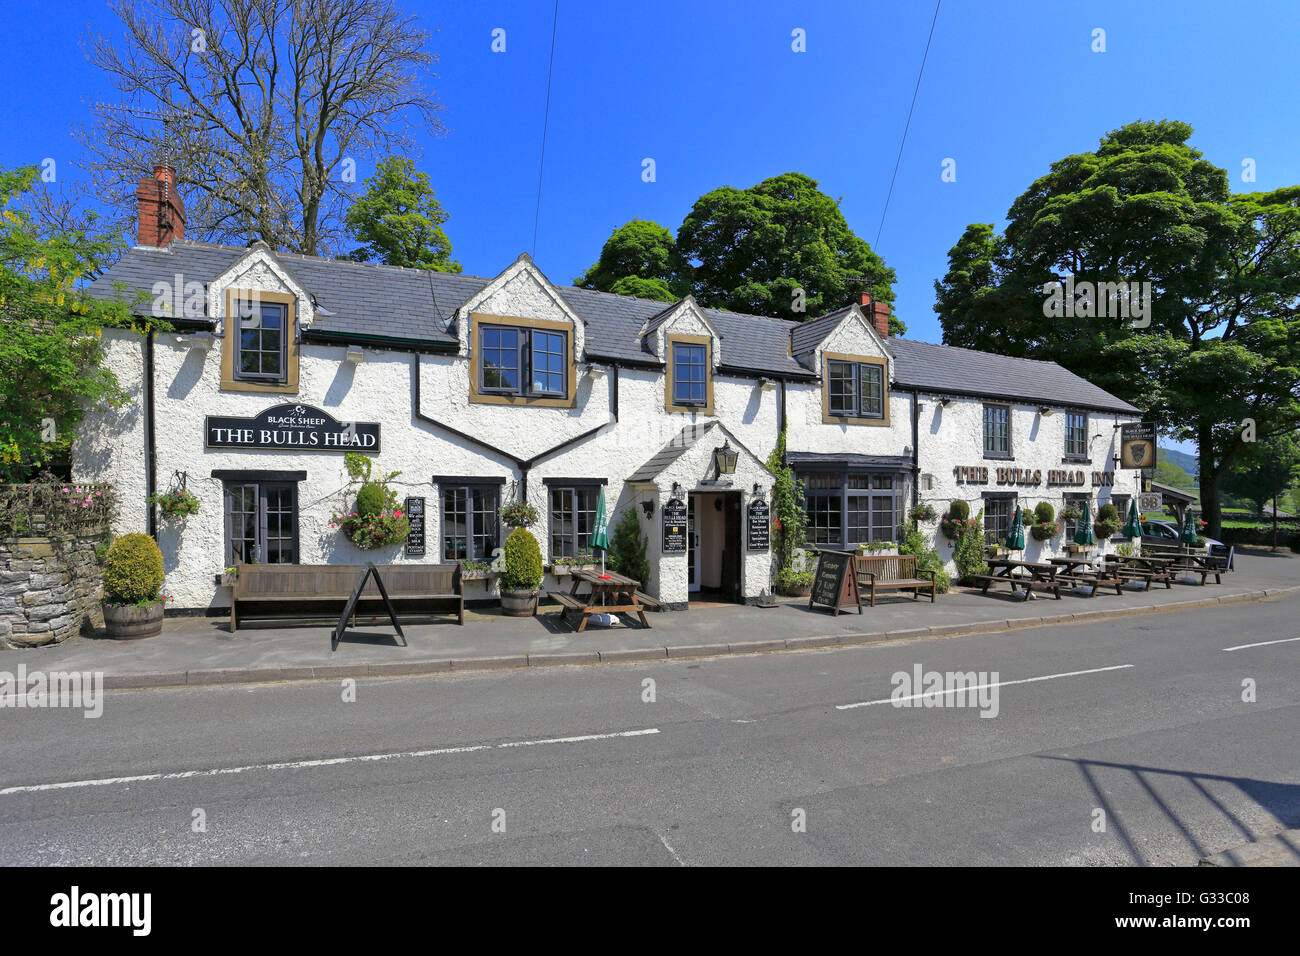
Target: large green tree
[(639, 259), (398, 220), (780, 248), (1264, 471), (50, 332), (1210, 345), (755, 250)]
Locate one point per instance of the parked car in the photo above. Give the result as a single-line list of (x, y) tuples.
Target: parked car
[(1166, 532)]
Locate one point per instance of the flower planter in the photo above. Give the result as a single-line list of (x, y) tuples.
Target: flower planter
[(477, 575), (564, 570), (802, 590), (127, 622), (519, 603), (1080, 548)]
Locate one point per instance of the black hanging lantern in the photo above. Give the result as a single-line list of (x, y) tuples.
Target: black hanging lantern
[(725, 458)]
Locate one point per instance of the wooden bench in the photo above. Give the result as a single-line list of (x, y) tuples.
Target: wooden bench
[(891, 572), (653, 603), (303, 590)]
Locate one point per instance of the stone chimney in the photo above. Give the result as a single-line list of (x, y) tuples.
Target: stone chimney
[(876, 312), (162, 213)]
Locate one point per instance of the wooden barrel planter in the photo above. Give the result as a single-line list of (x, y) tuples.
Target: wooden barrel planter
[(128, 622), (519, 603)]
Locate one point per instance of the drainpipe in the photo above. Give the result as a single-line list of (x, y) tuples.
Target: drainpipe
[(150, 438), (527, 466), (916, 453), (780, 412)]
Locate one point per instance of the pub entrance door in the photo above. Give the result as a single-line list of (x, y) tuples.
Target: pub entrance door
[(714, 546)]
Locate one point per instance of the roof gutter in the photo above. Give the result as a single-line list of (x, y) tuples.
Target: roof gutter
[(1007, 396)]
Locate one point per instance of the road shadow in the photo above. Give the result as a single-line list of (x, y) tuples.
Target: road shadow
[(1280, 800)]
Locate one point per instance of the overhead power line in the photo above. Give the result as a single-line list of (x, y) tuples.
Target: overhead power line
[(546, 118), (919, 74)]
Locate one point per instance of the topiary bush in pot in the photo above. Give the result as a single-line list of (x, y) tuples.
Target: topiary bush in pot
[(521, 575), (133, 573)]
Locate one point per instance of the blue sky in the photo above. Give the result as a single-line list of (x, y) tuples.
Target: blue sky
[(714, 94)]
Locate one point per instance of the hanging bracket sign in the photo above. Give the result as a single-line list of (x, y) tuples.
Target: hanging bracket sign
[(291, 428), (1137, 445)]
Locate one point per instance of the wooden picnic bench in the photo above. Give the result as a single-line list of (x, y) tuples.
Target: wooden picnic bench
[(1082, 573), (1201, 564), (609, 594), (1144, 568), (1033, 576), (303, 590), (891, 572)]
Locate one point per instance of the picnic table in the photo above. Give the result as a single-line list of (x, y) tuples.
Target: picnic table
[(1202, 564), (609, 593), (1082, 573), (1030, 575), (1145, 568)]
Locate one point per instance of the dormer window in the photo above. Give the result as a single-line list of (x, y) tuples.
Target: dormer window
[(260, 349), (521, 362), (689, 374), (855, 391)]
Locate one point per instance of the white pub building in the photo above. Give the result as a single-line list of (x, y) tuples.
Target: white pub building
[(480, 391)]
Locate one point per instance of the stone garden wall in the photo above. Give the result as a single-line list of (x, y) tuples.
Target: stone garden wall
[(48, 589)]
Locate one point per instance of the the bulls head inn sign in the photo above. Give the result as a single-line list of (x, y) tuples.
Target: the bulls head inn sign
[(291, 428)]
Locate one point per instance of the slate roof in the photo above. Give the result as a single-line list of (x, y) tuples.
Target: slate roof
[(847, 460), (412, 304), (673, 450)]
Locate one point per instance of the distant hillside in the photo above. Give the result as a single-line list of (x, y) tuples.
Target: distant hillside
[(1183, 460)]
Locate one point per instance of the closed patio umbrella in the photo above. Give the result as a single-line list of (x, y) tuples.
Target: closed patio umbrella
[(1133, 527), (600, 533), (1016, 536), (1084, 536), (1189, 535)]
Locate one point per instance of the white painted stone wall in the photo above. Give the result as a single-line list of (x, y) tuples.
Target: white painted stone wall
[(953, 435)]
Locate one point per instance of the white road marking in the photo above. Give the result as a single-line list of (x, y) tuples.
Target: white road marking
[(1002, 683), (668, 847), (325, 762), (1242, 647)]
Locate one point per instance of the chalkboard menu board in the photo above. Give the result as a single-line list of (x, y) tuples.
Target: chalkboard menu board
[(758, 527), (835, 583), (674, 526), (415, 537)]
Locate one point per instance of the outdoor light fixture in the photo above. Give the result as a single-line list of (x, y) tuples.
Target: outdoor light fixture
[(648, 507), (1045, 412), (199, 341), (766, 385), (725, 458), (759, 493), (944, 402), (596, 371), (355, 356), (677, 488)]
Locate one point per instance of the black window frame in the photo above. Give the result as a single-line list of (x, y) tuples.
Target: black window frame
[(995, 536), (1081, 455), (1077, 499), (261, 531), (242, 311), (843, 504), (571, 492), (857, 395), (994, 453), (524, 368), (702, 365), (482, 502)]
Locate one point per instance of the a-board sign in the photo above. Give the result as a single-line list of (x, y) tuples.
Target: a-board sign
[(673, 538), (370, 572), (415, 537), (758, 527), (835, 583)]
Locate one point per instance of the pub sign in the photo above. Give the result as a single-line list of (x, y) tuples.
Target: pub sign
[(673, 538), (1137, 445), (291, 428)]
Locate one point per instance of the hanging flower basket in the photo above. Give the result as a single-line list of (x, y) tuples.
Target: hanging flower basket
[(923, 513), (175, 504), (518, 514), (1044, 530), (369, 532)]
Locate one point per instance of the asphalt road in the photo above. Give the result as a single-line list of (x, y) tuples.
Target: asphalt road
[(1139, 722)]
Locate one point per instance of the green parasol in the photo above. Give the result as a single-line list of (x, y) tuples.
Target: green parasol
[(1084, 535), (600, 533), (1133, 527), (1189, 535), (1016, 536)]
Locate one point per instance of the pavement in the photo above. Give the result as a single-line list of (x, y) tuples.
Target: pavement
[(1281, 849), (1121, 742), (201, 651)]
